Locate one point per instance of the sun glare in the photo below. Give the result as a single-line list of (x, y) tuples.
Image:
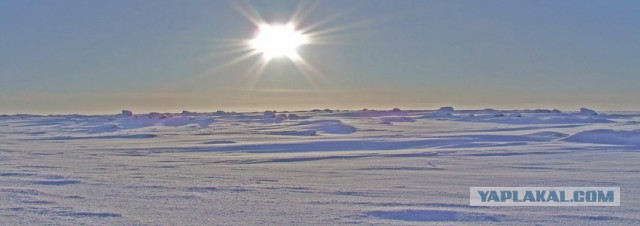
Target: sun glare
[(278, 41)]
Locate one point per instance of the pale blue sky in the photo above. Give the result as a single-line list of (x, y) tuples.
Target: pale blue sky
[(73, 56)]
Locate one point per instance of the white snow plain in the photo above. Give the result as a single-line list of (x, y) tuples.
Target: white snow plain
[(312, 168)]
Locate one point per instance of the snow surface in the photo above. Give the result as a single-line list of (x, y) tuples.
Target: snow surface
[(320, 167)]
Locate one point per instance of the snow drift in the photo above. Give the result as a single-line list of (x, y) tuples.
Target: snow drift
[(607, 136)]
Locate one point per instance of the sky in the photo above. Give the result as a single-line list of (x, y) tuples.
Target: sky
[(99, 57)]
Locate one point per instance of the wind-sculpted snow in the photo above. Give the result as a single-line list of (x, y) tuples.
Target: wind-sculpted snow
[(435, 216), (607, 136), (328, 126), (321, 167)]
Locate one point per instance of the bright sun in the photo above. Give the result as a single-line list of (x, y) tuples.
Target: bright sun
[(278, 41)]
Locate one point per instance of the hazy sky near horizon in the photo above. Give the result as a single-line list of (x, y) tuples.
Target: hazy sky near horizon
[(76, 56)]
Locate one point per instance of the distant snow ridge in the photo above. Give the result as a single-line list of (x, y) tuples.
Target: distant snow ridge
[(443, 112), (606, 136), (373, 113), (587, 111), (131, 121), (188, 113), (539, 111), (271, 116), (537, 116)]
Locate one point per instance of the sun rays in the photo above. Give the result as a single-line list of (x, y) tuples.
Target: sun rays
[(274, 42)]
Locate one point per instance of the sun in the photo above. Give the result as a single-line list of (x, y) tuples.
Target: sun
[(278, 41)]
